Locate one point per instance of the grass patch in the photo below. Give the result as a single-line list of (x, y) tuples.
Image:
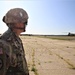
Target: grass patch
[(73, 68), (39, 63), (45, 62), (50, 61), (34, 70), (59, 37), (67, 47), (74, 54), (33, 65), (50, 53)]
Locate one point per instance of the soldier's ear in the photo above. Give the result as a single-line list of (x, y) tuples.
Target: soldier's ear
[(3, 19)]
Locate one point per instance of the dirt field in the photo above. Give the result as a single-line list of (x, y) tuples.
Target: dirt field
[(49, 57)]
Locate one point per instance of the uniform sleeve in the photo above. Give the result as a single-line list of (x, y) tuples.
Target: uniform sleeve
[(5, 51)]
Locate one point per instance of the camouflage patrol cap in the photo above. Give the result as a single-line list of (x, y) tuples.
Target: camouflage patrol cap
[(16, 15)]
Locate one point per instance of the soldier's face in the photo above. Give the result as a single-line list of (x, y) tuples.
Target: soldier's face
[(20, 27)]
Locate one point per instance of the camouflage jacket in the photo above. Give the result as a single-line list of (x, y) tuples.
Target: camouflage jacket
[(16, 54)]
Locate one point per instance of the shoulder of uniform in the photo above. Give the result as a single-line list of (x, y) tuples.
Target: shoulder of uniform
[(2, 42), (5, 46), (8, 35)]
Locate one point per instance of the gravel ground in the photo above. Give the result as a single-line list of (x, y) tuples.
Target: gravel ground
[(49, 57)]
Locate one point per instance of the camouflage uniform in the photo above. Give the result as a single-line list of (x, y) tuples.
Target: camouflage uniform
[(16, 61)]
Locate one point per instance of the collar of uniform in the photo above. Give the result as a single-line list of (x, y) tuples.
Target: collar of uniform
[(15, 37), (6, 35), (9, 35)]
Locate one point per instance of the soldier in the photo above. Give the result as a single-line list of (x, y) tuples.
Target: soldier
[(16, 19)]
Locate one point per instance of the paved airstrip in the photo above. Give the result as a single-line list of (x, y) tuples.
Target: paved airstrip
[(49, 57)]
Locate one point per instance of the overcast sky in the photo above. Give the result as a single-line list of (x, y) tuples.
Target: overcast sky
[(45, 16)]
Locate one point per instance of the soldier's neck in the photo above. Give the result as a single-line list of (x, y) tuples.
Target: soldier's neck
[(15, 32)]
